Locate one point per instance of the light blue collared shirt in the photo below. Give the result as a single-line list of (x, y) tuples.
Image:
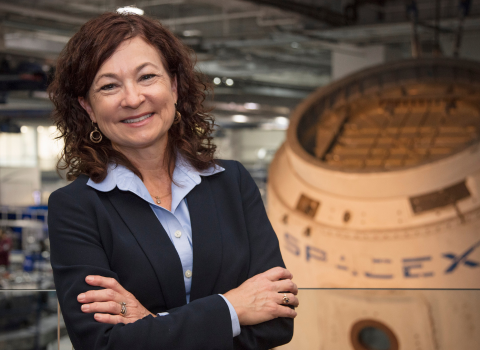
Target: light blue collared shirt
[(176, 222)]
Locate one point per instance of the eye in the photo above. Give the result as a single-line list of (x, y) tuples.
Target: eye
[(147, 76), (107, 87)]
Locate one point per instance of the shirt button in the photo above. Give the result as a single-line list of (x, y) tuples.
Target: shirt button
[(188, 273), (178, 234)]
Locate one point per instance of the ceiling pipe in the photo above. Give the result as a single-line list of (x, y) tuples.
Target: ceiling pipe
[(261, 22), (320, 13), (32, 12), (464, 8), (210, 18)]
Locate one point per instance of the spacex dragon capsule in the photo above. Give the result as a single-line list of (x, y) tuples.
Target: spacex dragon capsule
[(378, 186)]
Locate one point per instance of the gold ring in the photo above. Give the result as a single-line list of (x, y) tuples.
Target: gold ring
[(285, 298), (123, 311)]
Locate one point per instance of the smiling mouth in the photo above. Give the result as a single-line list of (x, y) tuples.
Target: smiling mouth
[(136, 120)]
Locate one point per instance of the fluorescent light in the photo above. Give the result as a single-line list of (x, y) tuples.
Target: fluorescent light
[(240, 118), (40, 129), (251, 105), (282, 122), (192, 32), (262, 152), (217, 80), (24, 129), (40, 94), (229, 82), (130, 10)]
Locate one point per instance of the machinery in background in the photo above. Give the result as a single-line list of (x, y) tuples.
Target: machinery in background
[(28, 303), (26, 76), (29, 259), (377, 186)]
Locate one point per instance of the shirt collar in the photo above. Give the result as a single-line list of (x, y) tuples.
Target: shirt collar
[(185, 178)]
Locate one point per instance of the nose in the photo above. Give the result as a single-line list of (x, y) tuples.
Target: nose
[(132, 97)]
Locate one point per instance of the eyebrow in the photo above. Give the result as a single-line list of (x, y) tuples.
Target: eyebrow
[(113, 75)]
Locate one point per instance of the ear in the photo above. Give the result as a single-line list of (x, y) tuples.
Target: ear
[(88, 108), (174, 88)]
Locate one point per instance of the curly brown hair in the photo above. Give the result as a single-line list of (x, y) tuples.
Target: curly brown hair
[(76, 68)]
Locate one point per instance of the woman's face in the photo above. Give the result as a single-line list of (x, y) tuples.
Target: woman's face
[(132, 97)]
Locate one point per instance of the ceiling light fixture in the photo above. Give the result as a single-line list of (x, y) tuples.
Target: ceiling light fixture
[(251, 105), (192, 32), (240, 118), (282, 122), (262, 153), (130, 10)]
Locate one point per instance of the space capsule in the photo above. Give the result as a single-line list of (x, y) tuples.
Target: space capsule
[(377, 188)]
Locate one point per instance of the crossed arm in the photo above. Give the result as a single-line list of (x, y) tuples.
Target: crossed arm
[(202, 324), (257, 300)]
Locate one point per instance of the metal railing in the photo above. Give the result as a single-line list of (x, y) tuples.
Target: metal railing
[(340, 319)]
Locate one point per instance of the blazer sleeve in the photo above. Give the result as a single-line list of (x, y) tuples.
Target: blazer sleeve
[(77, 251), (264, 255)]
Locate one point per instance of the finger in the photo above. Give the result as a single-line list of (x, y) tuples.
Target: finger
[(111, 319), (283, 311), (292, 299), (278, 273), (109, 307), (286, 286), (100, 295), (106, 282)]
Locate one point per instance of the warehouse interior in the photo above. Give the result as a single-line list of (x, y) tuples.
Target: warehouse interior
[(262, 57)]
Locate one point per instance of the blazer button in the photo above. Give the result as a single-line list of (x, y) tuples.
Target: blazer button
[(178, 234), (188, 273)]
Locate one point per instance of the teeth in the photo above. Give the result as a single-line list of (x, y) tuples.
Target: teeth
[(128, 121)]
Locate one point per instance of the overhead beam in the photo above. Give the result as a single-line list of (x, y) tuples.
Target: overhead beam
[(319, 13), (36, 13), (382, 32), (210, 18)]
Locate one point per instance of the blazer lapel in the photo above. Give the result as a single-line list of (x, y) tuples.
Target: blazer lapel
[(151, 236), (206, 239)]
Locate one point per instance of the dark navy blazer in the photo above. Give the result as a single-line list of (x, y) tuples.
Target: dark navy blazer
[(116, 234)]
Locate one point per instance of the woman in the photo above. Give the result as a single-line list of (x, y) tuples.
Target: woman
[(155, 245)]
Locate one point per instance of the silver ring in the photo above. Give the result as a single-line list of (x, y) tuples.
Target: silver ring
[(123, 311), (285, 298)]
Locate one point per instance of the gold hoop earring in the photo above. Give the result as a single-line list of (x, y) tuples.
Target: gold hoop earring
[(95, 135), (178, 116)]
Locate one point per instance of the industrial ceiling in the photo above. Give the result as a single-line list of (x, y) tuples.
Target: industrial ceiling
[(274, 52)]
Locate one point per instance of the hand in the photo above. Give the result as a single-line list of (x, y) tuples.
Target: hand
[(260, 298), (106, 303)]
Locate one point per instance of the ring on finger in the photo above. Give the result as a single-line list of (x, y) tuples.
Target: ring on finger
[(123, 310), (285, 298)]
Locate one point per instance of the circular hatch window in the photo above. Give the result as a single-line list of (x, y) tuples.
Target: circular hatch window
[(373, 335)]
